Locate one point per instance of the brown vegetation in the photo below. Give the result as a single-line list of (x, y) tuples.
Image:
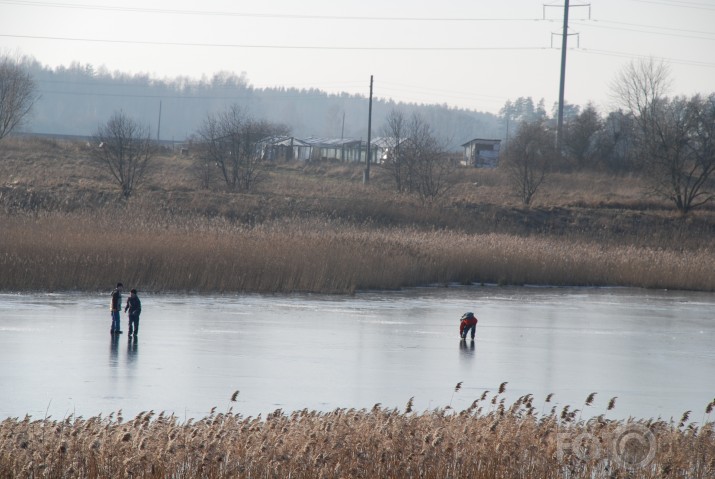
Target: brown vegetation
[(487, 440), (316, 227)]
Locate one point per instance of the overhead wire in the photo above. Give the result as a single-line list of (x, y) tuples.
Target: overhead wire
[(672, 3), (259, 46), (653, 27), (297, 16), (635, 55), (591, 23), (669, 34), (608, 24)]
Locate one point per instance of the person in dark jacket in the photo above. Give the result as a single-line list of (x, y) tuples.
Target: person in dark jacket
[(114, 307), (134, 307), (467, 321)]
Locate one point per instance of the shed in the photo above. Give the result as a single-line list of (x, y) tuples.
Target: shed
[(383, 147), (343, 149), (481, 153), (284, 148)]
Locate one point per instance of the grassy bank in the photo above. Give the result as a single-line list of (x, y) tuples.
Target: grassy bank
[(487, 440), (61, 251), (315, 227)]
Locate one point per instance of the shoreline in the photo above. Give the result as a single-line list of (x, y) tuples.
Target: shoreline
[(399, 290)]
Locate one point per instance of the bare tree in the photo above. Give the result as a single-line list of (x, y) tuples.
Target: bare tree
[(527, 159), (430, 170), (124, 147), (702, 111), (219, 143), (231, 141), (17, 95), (681, 150), (639, 85), (674, 136), (203, 170), (395, 133), (415, 156), (252, 162)]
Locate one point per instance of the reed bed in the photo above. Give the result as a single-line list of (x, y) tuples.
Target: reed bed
[(487, 440), (65, 251)]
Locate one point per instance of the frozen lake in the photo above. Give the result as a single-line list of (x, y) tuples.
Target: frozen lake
[(655, 350)]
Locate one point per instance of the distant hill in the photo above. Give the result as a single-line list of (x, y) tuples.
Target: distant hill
[(76, 99)]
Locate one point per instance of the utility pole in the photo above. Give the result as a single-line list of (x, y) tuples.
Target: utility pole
[(562, 84), (366, 176), (158, 127), (342, 130), (342, 136), (564, 41)]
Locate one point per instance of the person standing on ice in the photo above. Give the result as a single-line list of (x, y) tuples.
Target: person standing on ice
[(466, 322), (134, 306), (114, 307)]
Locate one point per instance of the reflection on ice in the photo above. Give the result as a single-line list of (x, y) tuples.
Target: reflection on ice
[(651, 349), (467, 348)]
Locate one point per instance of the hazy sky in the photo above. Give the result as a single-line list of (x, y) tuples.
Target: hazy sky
[(473, 54)]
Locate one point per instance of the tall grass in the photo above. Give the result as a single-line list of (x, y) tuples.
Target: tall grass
[(487, 440), (63, 251)]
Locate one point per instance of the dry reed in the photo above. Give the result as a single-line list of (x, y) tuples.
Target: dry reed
[(487, 440), (315, 227), (63, 251)]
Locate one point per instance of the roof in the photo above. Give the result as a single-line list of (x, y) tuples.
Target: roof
[(483, 141), (284, 141), (334, 142)]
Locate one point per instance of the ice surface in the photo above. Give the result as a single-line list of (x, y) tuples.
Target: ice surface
[(652, 349)]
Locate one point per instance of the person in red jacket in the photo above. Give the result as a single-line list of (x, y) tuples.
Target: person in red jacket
[(467, 321)]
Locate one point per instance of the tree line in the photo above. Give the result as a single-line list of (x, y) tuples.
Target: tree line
[(670, 141), (74, 99), (667, 140)]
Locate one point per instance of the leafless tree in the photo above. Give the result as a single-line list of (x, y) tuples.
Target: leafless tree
[(527, 158), (396, 161), (252, 133), (123, 145), (674, 136), (219, 143), (203, 170), (17, 95), (430, 170), (230, 140), (415, 156), (639, 85), (680, 150)]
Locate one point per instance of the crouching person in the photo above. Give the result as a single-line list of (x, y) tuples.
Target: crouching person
[(467, 322)]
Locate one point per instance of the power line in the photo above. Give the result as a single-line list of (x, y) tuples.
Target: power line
[(359, 18), (636, 55), (276, 47), (651, 32), (392, 86), (671, 3), (259, 15), (655, 27)]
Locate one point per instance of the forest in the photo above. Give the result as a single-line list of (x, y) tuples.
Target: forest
[(75, 99)]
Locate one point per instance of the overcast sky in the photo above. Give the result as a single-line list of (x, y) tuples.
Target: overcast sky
[(473, 54)]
